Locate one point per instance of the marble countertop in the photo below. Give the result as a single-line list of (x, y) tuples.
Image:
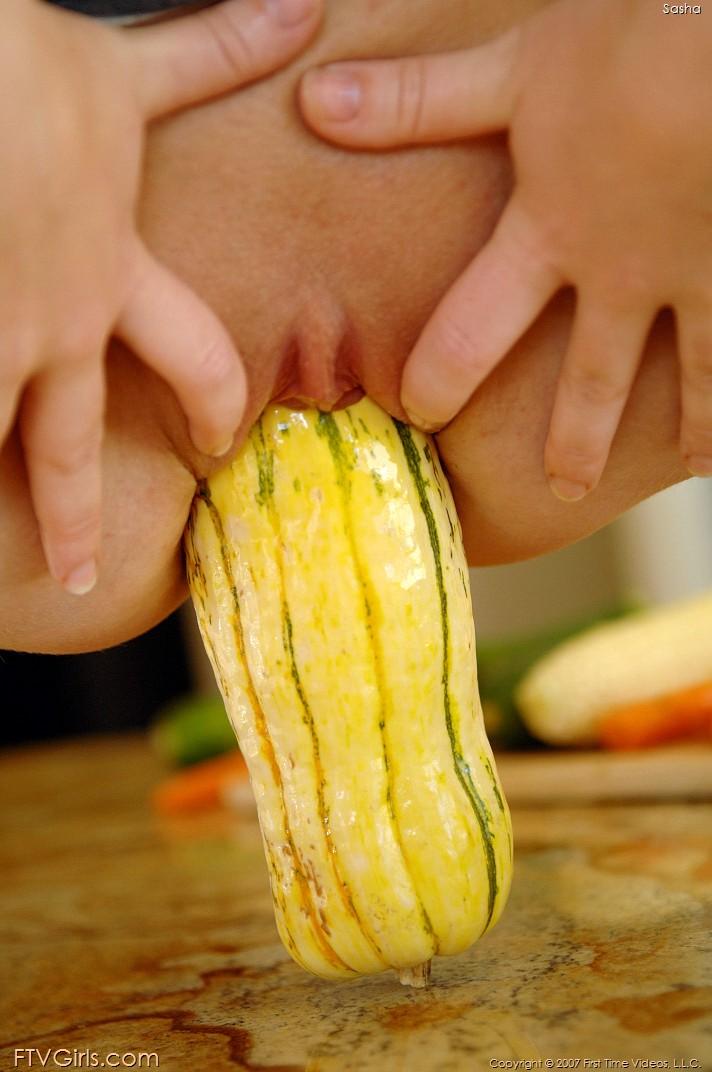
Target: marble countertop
[(125, 933)]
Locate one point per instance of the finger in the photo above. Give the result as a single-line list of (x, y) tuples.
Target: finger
[(477, 322), (61, 423), (381, 103), (188, 60), (695, 344), (596, 378), (173, 331)]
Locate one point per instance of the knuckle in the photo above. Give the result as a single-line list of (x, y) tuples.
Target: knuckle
[(74, 454), (214, 366), (595, 385), (411, 89), (81, 529), (456, 345), (232, 44), (571, 455), (576, 447)]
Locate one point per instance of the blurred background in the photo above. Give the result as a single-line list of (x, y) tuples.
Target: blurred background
[(658, 552)]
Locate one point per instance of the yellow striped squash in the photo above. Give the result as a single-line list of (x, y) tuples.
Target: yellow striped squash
[(331, 588)]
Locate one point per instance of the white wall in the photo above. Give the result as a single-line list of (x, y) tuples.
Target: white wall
[(659, 551), (663, 546), (562, 586)]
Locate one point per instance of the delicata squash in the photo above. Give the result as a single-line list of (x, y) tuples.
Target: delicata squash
[(331, 589)]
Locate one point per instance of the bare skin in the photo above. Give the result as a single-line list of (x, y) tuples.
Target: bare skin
[(68, 239), (324, 265), (613, 172)]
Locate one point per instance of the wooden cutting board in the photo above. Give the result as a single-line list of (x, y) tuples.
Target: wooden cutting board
[(681, 772)]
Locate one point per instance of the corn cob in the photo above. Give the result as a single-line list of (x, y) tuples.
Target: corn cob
[(330, 584), (642, 656)]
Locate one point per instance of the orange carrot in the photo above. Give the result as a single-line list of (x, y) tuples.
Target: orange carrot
[(686, 713), (201, 786)]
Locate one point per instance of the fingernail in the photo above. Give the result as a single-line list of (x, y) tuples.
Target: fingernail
[(699, 465), (290, 12), (336, 93), (206, 444), (567, 490), (423, 423), (217, 452), (81, 579)]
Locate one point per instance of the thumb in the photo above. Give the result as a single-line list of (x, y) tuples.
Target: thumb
[(415, 100), (185, 61)]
